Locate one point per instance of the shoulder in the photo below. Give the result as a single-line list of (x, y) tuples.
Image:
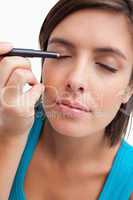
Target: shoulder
[(127, 157), (127, 148), (127, 154)]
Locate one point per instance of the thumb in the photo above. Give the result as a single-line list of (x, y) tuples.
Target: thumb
[(5, 47)]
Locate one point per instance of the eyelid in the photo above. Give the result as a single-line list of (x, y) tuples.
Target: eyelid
[(107, 67), (60, 49), (105, 64)]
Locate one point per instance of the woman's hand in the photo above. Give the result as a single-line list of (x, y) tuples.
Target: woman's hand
[(16, 107), (16, 113)]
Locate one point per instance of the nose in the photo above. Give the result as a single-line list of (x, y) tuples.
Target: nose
[(72, 86), (77, 80)]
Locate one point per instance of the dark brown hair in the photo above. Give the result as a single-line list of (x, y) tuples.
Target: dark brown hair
[(118, 126)]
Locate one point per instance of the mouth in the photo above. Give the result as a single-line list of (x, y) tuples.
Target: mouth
[(72, 108), (70, 111), (73, 105)]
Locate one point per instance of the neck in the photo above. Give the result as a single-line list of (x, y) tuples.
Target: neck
[(70, 151)]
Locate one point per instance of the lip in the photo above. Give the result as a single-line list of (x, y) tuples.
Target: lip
[(68, 111), (74, 105)]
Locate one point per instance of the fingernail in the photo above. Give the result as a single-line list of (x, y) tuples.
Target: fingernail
[(6, 44)]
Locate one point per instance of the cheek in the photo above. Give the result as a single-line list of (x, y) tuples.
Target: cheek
[(109, 101), (51, 74), (51, 80), (112, 98), (111, 92)]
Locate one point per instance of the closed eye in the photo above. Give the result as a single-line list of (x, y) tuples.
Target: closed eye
[(107, 67)]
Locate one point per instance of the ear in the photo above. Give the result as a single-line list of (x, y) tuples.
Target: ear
[(127, 94)]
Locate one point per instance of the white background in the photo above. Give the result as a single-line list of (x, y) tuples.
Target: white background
[(20, 23)]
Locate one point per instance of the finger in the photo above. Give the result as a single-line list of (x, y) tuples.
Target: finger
[(5, 47), (9, 64), (32, 95), (19, 78)]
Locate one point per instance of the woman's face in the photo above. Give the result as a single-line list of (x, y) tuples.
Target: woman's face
[(94, 72)]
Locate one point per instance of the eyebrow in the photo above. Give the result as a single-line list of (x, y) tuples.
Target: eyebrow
[(107, 49), (112, 50), (61, 41)]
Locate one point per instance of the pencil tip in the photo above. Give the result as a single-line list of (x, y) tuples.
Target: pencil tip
[(58, 55)]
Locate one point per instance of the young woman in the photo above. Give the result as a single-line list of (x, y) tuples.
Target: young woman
[(73, 147)]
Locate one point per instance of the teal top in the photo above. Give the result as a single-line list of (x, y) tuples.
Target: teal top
[(118, 184)]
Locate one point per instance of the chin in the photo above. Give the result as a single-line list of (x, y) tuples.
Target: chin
[(65, 127)]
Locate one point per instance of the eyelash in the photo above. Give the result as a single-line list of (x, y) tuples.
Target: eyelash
[(107, 67), (64, 56)]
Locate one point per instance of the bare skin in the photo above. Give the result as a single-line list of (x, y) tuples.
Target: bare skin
[(72, 160), (58, 182)]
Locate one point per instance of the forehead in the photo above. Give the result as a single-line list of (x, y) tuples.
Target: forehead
[(91, 28)]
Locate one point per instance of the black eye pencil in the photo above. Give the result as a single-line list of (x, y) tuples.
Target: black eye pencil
[(32, 53)]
